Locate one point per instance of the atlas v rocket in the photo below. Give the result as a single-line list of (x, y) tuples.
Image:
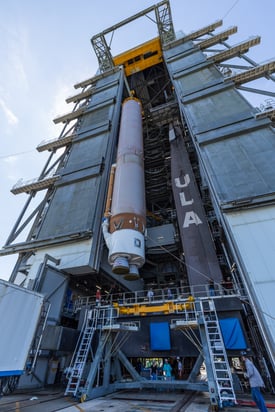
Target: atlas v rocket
[(125, 213)]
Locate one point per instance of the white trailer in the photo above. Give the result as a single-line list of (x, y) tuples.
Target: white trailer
[(20, 311)]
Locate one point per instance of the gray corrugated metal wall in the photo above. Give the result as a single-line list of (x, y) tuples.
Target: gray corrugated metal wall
[(236, 149), (78, 202)]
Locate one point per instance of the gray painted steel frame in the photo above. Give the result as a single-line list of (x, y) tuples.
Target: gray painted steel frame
[(236, 149), (78, 200)]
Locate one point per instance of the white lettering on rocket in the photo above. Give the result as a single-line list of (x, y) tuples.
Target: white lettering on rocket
[(190, 217)]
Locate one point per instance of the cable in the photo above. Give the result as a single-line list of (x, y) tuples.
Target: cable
[(226, 14), (15, 154), (203, 274), (180, 260), (264, 313)]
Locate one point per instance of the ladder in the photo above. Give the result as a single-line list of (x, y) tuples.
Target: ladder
[(82, 349), (220, 381)]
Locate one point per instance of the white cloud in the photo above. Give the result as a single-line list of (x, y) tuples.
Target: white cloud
[(10, 159), (12, 178), (59, 104), (17, 56), (10, 116)]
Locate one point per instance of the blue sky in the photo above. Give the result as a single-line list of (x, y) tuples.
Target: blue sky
[(45, 49)]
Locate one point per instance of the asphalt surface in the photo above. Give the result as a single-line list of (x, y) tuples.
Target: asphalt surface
[(52, 400)]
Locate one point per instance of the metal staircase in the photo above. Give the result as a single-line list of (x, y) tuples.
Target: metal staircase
[(220, 380), (81, 353)]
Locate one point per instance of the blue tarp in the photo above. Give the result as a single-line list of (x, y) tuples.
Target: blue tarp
[(232, 333), (160, 336)]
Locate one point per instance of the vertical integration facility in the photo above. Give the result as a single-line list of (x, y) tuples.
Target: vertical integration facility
[(159, 193)]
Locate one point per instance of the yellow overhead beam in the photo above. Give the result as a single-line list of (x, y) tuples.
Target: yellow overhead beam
[(140, 57), (165, 307)]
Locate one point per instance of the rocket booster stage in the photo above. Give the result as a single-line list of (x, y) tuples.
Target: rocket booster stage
[(124, 233)]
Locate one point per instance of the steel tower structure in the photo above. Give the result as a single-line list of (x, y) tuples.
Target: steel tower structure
[(209, 193)]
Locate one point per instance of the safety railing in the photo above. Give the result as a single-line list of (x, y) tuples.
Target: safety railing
[(178, 295)]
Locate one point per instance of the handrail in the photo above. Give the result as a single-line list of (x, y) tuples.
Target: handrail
[(178, 294)]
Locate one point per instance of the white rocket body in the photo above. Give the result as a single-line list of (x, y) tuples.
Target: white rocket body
[(124, 233)]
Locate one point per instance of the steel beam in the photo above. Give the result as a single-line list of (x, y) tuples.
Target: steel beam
[(217, 38), (253, 74), (235, 51)]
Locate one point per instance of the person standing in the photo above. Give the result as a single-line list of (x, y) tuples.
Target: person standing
[(139, 366), (167, 370), (154, 371), (211, 286), (168, 293), (255, 382), (98, 297), (179, 368), (150, 295)]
